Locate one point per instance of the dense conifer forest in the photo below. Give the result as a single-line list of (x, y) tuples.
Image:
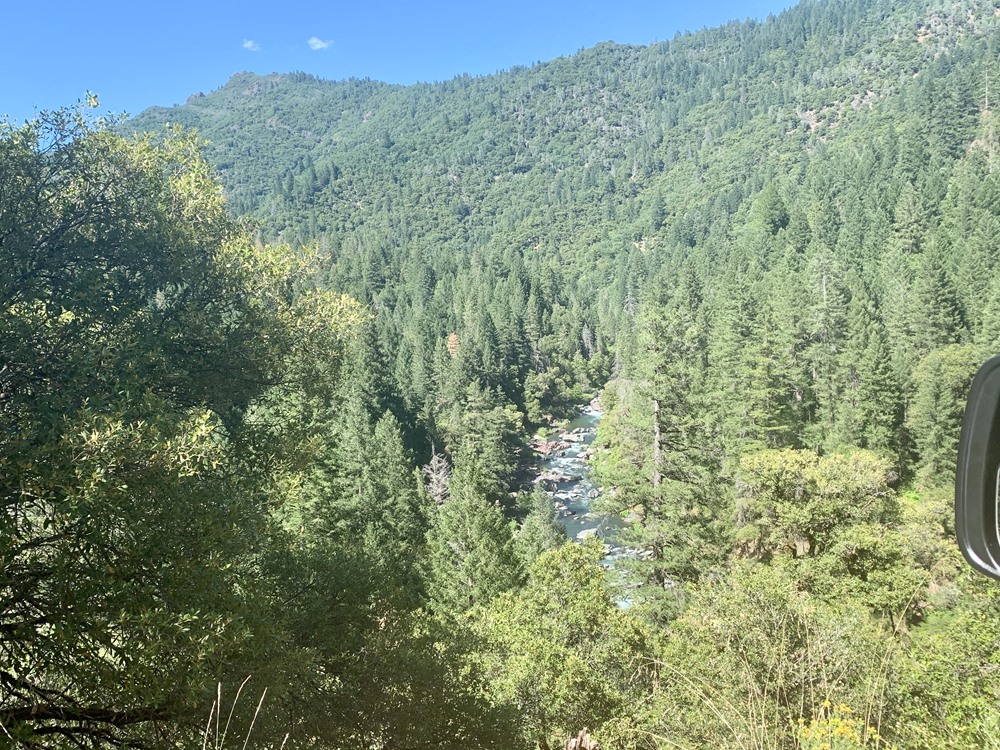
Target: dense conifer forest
[(270, 361)]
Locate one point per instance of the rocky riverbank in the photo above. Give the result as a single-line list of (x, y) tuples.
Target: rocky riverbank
[(563, 471)]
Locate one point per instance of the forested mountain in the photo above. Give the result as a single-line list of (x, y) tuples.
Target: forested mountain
[(770, 246), (801, 163)]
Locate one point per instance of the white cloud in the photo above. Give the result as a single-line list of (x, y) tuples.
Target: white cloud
[(315, 43), (251, 45)]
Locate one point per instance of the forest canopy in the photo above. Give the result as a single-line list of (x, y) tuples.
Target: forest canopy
[(146, 344), (266, 398)]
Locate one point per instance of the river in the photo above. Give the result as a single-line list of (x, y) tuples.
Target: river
[(566, 476)]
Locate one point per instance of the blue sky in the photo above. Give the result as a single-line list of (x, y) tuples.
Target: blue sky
[(136, 54)]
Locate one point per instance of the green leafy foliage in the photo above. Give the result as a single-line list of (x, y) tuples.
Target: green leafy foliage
[(140, 326), (752, 655), (470, 555), (771, 243), (559, 652)]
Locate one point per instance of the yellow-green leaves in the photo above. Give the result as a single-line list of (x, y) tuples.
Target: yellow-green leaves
[(560, 652), (795, 500), (141, 330)]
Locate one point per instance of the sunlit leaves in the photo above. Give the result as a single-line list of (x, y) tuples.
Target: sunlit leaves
[(141, 332)]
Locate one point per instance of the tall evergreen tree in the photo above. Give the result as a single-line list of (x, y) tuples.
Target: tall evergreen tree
[(662, 473), (540, 531), (934, 415), (938, 313), (827, 332), (470, 555), (871, 408)]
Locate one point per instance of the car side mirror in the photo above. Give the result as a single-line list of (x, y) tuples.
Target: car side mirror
[(977, 478)]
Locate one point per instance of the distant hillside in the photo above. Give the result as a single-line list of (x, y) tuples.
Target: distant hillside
[(630, 130), (547, 198)]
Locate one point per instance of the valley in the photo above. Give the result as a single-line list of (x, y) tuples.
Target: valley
[(279, 366)]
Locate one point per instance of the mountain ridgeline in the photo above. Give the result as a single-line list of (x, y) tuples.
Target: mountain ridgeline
[(293, 444), (820, 182)]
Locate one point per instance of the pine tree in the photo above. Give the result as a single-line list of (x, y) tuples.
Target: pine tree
[(909, 222), (540, 531), (871, 408), (395, 484), (934, 415), (470, 555), (662, 467), (437, 474), (483, 434), (366, 374), (753, 369), (827, 331), (898, 274), (939, 319)]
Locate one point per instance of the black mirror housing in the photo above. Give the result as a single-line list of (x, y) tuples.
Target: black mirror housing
[(977, 491)]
